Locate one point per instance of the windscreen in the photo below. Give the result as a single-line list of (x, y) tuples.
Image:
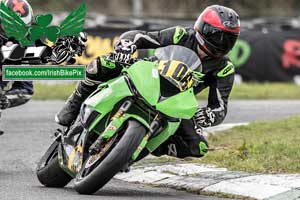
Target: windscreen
[(180, 53)]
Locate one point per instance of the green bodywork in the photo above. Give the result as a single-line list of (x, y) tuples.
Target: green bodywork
[(184, 103), (105, 100), (145, 76), (146, 79)]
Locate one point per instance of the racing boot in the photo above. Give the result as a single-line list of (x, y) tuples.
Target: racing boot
[(67, 115)]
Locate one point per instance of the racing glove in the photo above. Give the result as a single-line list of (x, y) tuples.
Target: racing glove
[(125, 46), (4, 102), (124, 49), (204, 117)]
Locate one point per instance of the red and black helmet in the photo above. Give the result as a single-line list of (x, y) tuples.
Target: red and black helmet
[(217, 29)]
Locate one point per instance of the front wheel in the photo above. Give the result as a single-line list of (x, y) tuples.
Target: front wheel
[(91, 178), (48, 172)]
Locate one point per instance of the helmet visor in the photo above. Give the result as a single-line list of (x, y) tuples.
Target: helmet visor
[(222, 41)]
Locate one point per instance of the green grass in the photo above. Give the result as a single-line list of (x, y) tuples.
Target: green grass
[(243, 91), (53, 92), (268, 147)]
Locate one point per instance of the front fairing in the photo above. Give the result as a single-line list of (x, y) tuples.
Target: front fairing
[(104, 100), (183, 105), (145, 76), (146, 79)]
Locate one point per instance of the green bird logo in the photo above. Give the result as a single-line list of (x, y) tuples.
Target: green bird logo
[(14, 26)]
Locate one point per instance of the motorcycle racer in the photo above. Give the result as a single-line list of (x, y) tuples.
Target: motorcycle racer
[(212, 37)]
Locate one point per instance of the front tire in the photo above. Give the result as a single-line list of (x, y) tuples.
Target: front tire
[(118, 157), (48, 172)]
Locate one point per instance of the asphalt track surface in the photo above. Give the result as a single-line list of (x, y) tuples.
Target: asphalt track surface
[(28, 131)]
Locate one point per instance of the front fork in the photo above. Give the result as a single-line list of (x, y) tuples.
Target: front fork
[(96, 146), (154, 129)]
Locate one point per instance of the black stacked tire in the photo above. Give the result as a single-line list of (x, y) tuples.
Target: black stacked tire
[(119, 156), (48, 172)]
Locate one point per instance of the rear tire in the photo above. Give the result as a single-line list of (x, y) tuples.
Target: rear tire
[(117, 158), (48, 172)]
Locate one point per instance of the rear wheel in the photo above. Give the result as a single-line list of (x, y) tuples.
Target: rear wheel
[(96, 172), (48, 172)]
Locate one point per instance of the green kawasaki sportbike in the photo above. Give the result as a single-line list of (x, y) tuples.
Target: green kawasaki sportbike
[(123, 120)]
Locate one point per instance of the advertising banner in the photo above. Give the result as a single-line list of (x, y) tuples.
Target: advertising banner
[(268, 55), (259, 55)]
